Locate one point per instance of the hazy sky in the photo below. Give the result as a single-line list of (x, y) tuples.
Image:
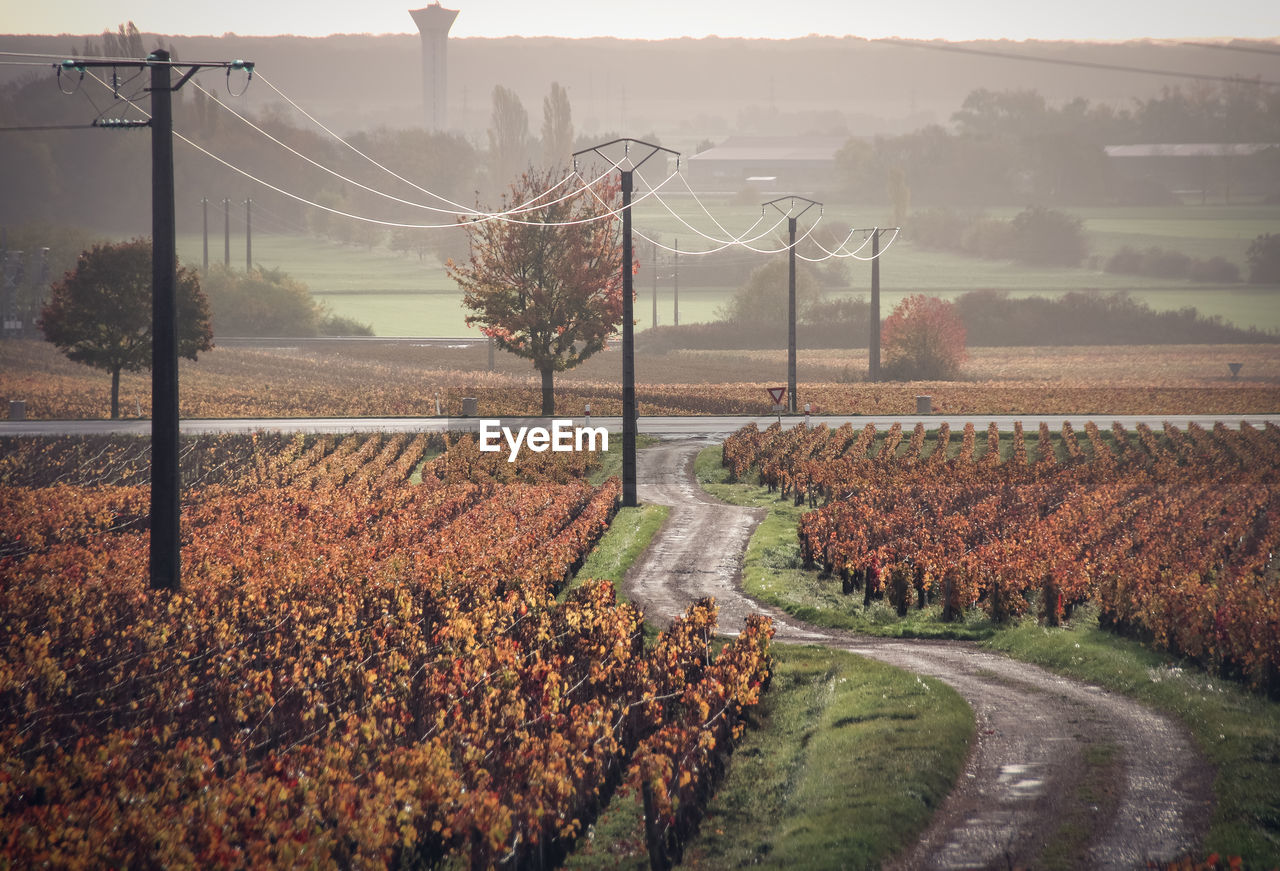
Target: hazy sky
[(657, 19)]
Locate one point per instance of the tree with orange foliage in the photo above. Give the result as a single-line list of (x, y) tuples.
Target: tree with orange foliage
[(547, 284), (923, 340)]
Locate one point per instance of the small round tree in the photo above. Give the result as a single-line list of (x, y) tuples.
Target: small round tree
[(1046, 237), (1264, 259), (100, 313), (922, 340)]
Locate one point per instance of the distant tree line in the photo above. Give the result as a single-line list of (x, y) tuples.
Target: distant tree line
[(990, 319), (1038, 236), (1164, 263), (1012, 146)]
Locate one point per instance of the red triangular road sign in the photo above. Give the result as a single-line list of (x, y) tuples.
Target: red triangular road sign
[(777, 393)]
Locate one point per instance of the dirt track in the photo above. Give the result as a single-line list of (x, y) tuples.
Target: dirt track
[(1049, 751)]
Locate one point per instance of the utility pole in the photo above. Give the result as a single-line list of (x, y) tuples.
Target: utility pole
[(655, 286), (165, 518), (629, 422), (873, 367), (204, 208), (226, 232), (166, 566), (675, 284), (248, 236), (792, 217), (13, 275), (43, 283)]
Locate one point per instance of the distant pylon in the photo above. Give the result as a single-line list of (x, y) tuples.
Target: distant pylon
[(433, 23)]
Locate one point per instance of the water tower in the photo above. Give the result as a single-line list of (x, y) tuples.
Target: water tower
[(433, 23)]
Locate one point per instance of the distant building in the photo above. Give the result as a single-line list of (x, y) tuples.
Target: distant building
[(768, 164), (1204, 169), (433, 23)]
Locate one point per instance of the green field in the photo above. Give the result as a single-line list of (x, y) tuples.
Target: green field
[(399, 295)]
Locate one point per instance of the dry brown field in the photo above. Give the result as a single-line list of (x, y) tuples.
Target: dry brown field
[(361, 380)]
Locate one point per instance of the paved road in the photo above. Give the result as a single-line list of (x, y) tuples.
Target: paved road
[(1034, 729), (669, 427)]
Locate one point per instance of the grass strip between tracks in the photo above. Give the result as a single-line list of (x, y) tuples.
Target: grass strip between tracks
[(843, 764), (1237, 730)]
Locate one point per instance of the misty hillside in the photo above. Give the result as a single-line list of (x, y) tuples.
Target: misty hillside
[(685, 90)]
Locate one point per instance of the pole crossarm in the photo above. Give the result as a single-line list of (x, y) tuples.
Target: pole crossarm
[(191, 67), (790, 211), (627, 144)]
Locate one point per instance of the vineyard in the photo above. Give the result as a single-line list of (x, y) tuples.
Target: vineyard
[(358, 670), (1172, 536)]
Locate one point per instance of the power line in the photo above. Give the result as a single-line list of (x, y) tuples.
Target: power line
[(1094, 65), (458, 209), (1230, 47), (35, 127), (102, 59), (739, 240), (478, 216), (744, 240), (529, 206), (533, 204)]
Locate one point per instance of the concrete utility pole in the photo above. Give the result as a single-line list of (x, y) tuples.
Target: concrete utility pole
[(226, 232), (166, 565), (873, 367), (675, 284), (204, 209), (248, 236), (792, 217), (655, 286), (165, 516), (629, 423), (433, 23)]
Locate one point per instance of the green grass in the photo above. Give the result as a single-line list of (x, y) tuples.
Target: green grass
[(322, 265), (1238, 731), (843, 764), (404, 314), (400, 295), (629, 534)]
